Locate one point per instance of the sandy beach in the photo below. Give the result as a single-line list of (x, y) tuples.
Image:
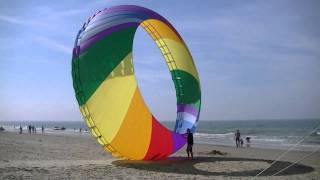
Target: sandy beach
[(65, 156)]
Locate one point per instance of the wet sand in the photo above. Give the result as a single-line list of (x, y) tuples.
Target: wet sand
[(63, 156)]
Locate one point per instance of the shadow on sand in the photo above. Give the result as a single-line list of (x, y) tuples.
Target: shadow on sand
[(182, 165)]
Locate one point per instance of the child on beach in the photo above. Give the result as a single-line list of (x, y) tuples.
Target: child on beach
[(248, 141)]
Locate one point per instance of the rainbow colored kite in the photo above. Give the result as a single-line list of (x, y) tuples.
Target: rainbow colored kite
[(107, 92)]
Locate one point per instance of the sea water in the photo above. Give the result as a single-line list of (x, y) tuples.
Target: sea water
[(276, 134)]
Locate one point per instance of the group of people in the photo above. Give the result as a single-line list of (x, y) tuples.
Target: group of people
[(81, 130), (239, 140), (189, 136), (31, 129)]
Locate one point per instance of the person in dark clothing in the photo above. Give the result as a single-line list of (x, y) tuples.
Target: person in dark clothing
[(190, 143), (248, 141), (237, 136)]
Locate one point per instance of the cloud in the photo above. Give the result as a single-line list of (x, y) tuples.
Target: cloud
[(51, 13), (43, 16), (70, 12), (54, 45), (20, 21), (153, 77), (10, 19)]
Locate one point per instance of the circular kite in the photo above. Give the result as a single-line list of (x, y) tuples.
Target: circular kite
[(107, 91)]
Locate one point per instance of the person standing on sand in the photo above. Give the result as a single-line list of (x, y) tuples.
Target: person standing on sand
[(190, 143), (20, 129), (248, 141), (42, 129), (237, 136)]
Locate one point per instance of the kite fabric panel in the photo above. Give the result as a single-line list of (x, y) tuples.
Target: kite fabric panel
[(107, 91)]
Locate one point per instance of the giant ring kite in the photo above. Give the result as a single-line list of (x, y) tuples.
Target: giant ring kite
[(107, 91)]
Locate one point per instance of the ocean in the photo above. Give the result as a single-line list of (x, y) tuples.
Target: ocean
[(273, 134)]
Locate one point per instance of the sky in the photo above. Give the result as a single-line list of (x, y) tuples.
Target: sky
[(256, 59)]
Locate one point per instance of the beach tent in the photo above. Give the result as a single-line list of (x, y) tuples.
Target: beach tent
[(107, 91)]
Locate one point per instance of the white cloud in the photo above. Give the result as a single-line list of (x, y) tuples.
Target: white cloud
[(152, 76), (50, 13), (10, 19), (54, 45), (20, 21)]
